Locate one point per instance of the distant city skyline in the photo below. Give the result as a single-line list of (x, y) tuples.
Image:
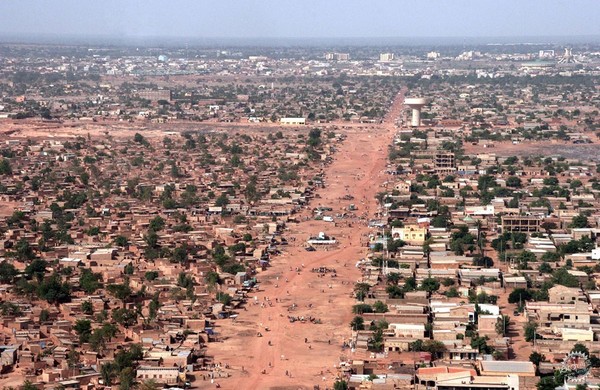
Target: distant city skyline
[(300, 19)]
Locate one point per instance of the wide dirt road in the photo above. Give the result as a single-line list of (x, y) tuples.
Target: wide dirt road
[(300, 355)]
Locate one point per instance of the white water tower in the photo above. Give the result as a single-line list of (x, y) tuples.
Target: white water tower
[(416, 104)]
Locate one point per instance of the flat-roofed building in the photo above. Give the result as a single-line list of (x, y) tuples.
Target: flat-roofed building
[(386, 57), (563, 294), (460, 378), (414, 331), (503, 368), (412, 234), (293, 121), (572, 334), (161, 375)]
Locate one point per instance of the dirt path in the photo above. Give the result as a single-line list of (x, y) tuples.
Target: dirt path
[(301, 355)]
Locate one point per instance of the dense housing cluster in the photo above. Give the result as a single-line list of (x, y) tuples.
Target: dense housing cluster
[(141, 241), (479, 254), (158, 206)]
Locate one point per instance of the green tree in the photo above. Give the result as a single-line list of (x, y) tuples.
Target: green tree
[(109, 330), (93, 231), (393, 278), (434, 347), (394, 245), (524, 259), (213, 278), (222, 200), (224, 298), (101, 335), (97, 341), (120, 291), (361, 290), (89, 281), (357, 323), (7, 272), (563, 277), (502, 325), (125, 317), (536, 358), (128, 269), (53, 290), (184, 280), (452, 293), (545, 268), (10, 309), (483, 261), (579, 221), (121, 241), (24, 250), (72, 358), (44, 315), (126, 378), (180, 255), (380, 307), (340, 385), (581, 349), (430, 284), (530, 331), (546, 383), (416, 346), (83, 328), (513, 181), (519, 295), (362, 308), (485, 182), (410, 284), (27, 385), (376, 341), (157, 224), (87, 308), (5, 168), (480, 343), (153, 307), (151, 239), (108, 372)]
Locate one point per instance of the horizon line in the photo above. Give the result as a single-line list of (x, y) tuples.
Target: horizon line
[(123, 40)]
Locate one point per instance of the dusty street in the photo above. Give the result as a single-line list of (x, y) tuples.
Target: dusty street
[(300, 355)]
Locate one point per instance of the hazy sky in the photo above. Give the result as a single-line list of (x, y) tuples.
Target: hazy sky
[(302, 19)]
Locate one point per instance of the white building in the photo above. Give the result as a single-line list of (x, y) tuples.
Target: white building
[(386, 57), (292, 121)]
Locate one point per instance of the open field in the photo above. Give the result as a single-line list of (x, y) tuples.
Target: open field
[(540, 148)]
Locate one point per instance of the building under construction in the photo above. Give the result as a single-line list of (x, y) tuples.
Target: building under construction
[(444, 162), (521, 223)]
